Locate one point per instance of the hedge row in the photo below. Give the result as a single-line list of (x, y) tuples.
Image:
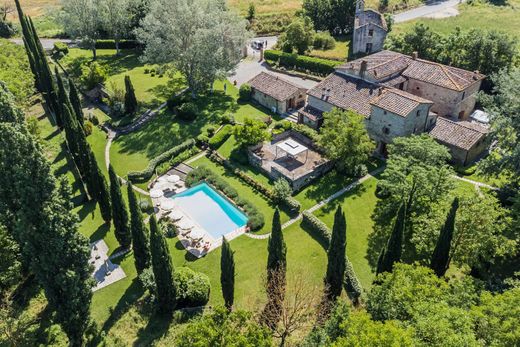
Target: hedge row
[(302, 62), (292, 204), (256, 218), (146, 174), (352, 285), (219, 138), (111, 44), (316, 226)]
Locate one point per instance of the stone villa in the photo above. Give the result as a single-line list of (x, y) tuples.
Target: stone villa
[(369, 30), (401, 95)]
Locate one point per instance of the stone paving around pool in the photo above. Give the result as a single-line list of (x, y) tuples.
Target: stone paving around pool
[(105, 272)]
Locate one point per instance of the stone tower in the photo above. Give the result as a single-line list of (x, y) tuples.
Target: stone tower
[(369, 30)]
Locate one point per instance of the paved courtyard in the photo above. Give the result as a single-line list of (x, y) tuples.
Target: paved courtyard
[(105, 272)]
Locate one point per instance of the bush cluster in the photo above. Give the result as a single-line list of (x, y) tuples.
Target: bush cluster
[(60, 50), (111, 44), (188, 111), (307, 131), (146, 174), (176, 160), (245, 92), (317, 227), (301, 62), (269, 24), (219, 138), (192, 287), (175, 101), (202, 173), (282, 126), (7, 29), (352, 285), (324, 41)]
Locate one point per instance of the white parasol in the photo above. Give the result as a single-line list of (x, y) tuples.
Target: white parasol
[(161, 185), (156, 193), (161, 179), (167, 205), (176, 215), (185, 224), (197, 234), (173, 178)]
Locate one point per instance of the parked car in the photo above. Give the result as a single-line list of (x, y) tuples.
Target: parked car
[(257, 44)]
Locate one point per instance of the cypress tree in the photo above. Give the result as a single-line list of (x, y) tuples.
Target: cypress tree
[(392, 252), (75, 101), (119, 211), (441, 254), (140, 240), (63, 98), (100, 188), (276, 273), (336, 256), (162, 267), (130, 99), (227, 274), (70, 125)]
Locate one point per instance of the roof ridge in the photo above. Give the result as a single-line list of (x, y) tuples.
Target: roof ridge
[(460, 123), (388, 61), (408, 95), (443, 67)]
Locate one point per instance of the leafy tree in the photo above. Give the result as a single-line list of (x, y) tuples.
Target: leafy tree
[(92, 74), (336, 16), (251, 132), (227, 274), (119, 211), (223, 328), (441, 254), (162, 269), (420, 39), (417, 173), (16, 72), (251, 12), (336, 257), (75, 101), (345, 140), (81, 19), (10, 265), (203, 43), (8, 110), (140, 239), (115, 19), (391, 253), (130, 99), (281, 190), (298, 36)]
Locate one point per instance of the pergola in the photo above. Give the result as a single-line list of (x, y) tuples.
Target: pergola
[(292, 148)]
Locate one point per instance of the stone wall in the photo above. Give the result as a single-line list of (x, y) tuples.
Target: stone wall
[(361, 38), (268, 101), (464, 157)]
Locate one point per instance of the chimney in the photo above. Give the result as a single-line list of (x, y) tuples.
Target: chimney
[(475, 74), (380, 91), (415, 55), (363, 68)]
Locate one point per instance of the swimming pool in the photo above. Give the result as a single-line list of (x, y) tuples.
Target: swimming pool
[(210, 210)]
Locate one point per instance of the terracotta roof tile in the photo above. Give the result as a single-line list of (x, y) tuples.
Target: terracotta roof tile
[(274, 86), (462, 134), (398, 102)]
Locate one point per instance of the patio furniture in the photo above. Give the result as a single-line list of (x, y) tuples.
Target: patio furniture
[(156, 193), (176, 215), (197, 234), (173, 178), (185, 224), (167, 204)]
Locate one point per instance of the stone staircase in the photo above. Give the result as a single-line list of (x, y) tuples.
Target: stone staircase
[(291, 117)]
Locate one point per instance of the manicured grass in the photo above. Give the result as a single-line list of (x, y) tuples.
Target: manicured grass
[(477, 15), (339, 52)]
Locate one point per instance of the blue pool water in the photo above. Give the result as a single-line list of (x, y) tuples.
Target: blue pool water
[(210, 210)]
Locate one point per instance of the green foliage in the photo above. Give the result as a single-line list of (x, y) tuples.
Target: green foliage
[(60, 49), (281, 190), (391, 253), (245, 92), (299, 36), (345, 139), (131, 105), (223, 328), (317, 227), (75, 101), (163, 271), (7, 30), (335, 275), (251, 12), (324, 41), (352, 284), (252, 132), (301, 62), (219, 138), (202, 173), (441, 254), (336, 16), (188, 111), (192, 288), (100, 188), (140, 239), (227, 274), (92, 74), (16, 72), (10, 265), (8, 110), (111, 44), (119, 211), (176, 100)]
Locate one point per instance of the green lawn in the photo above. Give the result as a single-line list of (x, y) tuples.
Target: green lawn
[(477, 15), (339, 52)]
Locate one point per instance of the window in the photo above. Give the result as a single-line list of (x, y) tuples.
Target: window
[(384, 112), (369, 48), (463, 95), (418, 113), (386, 130), (371, 32)]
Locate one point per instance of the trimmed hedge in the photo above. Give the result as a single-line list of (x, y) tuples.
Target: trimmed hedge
[(60, 48), (193, 288), (219, 138), (302, 62), (111, 44), (316, 226), (352, 285), (202, 173), (146, 174)]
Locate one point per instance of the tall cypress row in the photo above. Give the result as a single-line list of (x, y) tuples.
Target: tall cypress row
[(335, 274), (227, 274), (140, 240), (76, 102), (119, 211), (100, 188), (392, 252), (70, 126), (130, 99), (441, 254), (162, 267), (63, 97)]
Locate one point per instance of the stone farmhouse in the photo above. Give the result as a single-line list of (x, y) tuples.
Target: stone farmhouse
[(276, 94), (370, 30), (401, 95)]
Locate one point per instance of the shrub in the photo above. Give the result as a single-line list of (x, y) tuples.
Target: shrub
[(192, 287), (227, 119), (221, 137), (88, 128), (188, 111), (352, 285), (147, 280), (282, 126), (281, 190), (92, 74), (146, 174), (316, 226), (93, 119), (145, 206), (245, 92), (7, 29), (301, 62), (60, 49), (211, 129), (167, 226), (202, 173), (175, 101), (323, 40)]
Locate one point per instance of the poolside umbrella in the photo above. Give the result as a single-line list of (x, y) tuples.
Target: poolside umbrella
[(173, 178), (167, 205), (197, 234), (176, 215), (156, 193), (161, 185), (185, 224), (161, 179)]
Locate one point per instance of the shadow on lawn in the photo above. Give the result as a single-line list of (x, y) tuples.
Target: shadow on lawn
[(132, 293)]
